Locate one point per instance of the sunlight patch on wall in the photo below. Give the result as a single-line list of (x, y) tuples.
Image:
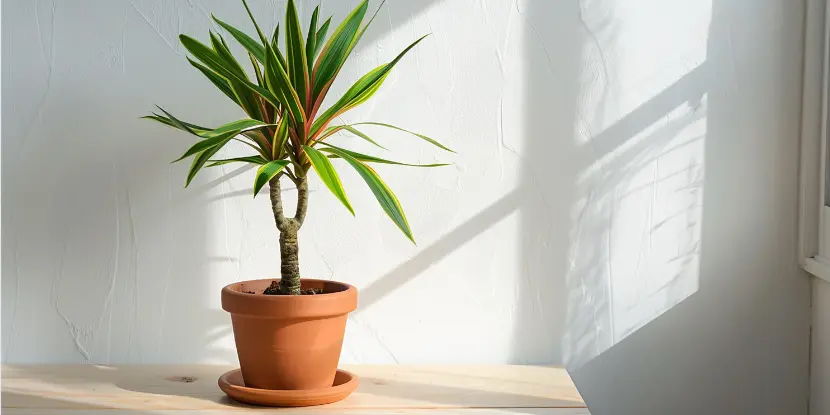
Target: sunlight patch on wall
[(637, 207)]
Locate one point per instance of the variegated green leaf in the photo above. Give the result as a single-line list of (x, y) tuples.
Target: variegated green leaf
[(382, 193), (372, 159), (239, 126), (278, 81), (328, 175), (260, 143), (206, 144), (275, 75), (256, 26), (221, 135), (225, 54), (337, 49), (177, 123), (245, 97), (349, 128), (190, 128), (280, 138), (311, 41), (295, 52), (199, 161), (248, 159), (366, 26), (362, 90), (342, 105), (421, 136), (275, 37), (257, 71), (318, 41), (246, 41), (218, 81)]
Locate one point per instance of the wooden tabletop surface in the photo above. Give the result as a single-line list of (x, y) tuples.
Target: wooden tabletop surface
[(192, 390)]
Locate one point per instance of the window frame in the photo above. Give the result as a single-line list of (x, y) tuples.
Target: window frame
[(814, 216)]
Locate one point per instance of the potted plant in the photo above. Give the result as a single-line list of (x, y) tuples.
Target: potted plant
[(289, 331)]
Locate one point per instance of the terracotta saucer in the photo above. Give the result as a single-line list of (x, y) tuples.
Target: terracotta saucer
[(232, 384)]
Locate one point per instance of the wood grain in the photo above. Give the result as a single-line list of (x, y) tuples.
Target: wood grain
[(192, 390)]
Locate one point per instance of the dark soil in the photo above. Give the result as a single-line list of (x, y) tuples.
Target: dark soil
[(274, 289)]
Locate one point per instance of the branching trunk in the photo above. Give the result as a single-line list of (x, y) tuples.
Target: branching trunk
[(289, 263), (288, 228)]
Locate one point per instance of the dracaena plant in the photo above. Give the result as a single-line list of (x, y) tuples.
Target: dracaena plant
[(282, 95)]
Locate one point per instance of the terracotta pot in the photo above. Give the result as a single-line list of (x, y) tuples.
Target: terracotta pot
[(289, 342)]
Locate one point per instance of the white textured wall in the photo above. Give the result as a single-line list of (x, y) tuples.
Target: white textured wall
[(623, 200), (108, 259)]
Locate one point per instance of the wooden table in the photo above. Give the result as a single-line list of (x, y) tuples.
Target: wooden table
[(192, 390)]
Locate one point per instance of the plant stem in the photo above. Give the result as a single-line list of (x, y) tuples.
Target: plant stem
[(288, 228)]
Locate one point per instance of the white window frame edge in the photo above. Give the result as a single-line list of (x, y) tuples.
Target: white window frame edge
[(814, 218)]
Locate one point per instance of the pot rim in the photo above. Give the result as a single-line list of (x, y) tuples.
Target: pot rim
[(335, 303)]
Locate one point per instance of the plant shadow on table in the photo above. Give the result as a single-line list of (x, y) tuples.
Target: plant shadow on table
[(199, 384)]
